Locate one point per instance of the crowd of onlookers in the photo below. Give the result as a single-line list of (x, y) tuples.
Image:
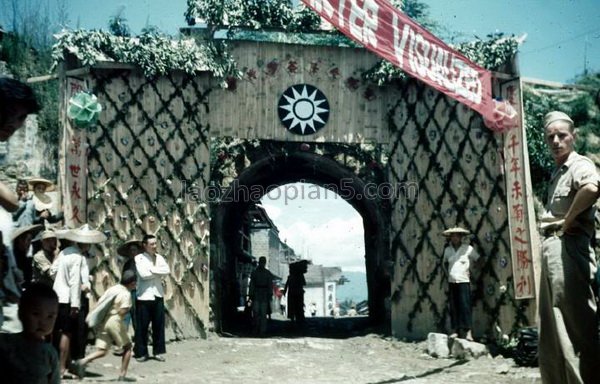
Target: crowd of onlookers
[(46, 290), (45, 282)]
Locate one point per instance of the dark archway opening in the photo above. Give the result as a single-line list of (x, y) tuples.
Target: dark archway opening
[(257, 180)]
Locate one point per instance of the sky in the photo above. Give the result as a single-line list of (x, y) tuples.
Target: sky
[(561, 34), (563, 38), (326, 229)]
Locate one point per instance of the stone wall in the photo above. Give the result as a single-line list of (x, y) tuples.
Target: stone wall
[(25, 155)]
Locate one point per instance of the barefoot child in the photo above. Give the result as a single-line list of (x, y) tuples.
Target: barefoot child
[(112, 329), (26, 357)]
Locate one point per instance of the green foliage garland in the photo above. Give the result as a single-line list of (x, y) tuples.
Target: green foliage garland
[(156, 54), (535, 107)]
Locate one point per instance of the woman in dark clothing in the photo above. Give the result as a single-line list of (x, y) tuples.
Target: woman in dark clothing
[(294, 289)]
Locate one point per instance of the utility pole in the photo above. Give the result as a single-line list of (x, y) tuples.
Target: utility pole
[(585, 46)]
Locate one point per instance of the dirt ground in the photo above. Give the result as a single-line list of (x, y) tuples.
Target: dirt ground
[(296, 358)]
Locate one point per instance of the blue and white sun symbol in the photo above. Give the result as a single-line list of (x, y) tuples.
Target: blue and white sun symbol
[(303, 109)]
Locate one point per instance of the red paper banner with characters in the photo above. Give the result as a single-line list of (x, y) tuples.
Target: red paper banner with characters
[(389, 33), (522, 236), (75, 165)]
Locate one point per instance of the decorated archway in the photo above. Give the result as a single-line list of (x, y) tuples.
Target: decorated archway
[(165, 138), (262, 166)]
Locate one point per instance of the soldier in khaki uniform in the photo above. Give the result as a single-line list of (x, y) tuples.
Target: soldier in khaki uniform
[(569, 350)]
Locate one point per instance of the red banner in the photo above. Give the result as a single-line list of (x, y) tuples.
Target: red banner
[(74, 173), (390, 34)]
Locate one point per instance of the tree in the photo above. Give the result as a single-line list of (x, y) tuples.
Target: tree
[(117, 25), (580, 102), (418, 11)]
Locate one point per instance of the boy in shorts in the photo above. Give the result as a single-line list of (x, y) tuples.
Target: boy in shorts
[(112, 330)]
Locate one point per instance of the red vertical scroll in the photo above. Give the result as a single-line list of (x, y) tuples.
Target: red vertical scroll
[(518, 191), (75, 164)]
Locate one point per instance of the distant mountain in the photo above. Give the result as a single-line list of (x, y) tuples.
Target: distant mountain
[(355, 289)]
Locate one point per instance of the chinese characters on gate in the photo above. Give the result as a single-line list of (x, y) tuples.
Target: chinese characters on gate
[(75, 160), (519, 225)]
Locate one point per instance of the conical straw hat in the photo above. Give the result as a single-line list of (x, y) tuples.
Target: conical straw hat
[(453, 230), (85, 235), (21, 230), (38, 180), (122, 250)]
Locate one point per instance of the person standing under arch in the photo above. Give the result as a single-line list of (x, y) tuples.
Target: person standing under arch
[(294, 289), (261, 294), (458, 259)]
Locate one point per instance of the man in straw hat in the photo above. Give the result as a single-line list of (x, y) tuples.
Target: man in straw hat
[(21, 243), (42, 260), (69, 266), (42, 202), (25, 214), (129, 250), (17, 100), (568, 343), (458, 257)]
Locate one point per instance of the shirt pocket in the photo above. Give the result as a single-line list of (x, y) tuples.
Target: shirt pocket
[(562, 192)]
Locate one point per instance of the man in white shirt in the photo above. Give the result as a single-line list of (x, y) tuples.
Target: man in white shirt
[(459, 257), (150, 308)]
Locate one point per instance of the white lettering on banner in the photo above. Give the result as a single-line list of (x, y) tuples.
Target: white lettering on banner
[(371, 22), (430, 60), (322, 6), (355, 15), (399, 41), (389, 33), (367, 16), (440, 71), (341, 7), (422, 55)]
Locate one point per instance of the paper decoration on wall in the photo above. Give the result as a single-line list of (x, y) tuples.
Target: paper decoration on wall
[(84, 109), (303, 109), (504, 118)]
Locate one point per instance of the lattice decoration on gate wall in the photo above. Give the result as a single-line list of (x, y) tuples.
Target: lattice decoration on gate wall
[(148, 159), (456, 161)]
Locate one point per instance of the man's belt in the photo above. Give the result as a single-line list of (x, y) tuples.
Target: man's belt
[(553, 232), (552, 229)]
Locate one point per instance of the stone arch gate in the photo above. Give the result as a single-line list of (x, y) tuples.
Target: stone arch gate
[(274, 164), (132, 172)]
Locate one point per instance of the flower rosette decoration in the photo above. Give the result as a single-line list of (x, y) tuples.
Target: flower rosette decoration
[(504, 118), (84, 109)]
